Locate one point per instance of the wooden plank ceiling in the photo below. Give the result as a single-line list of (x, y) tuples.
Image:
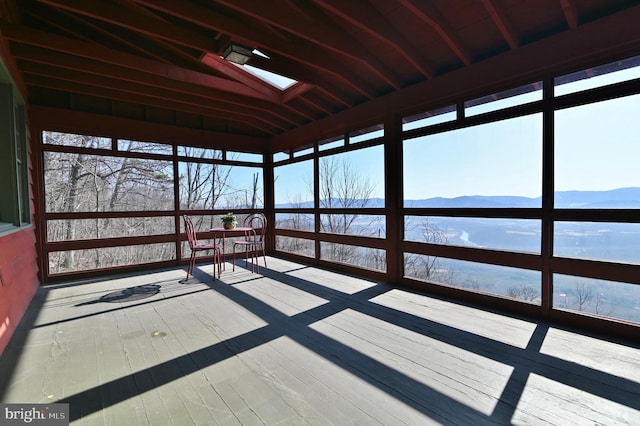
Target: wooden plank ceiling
[(161, 59)]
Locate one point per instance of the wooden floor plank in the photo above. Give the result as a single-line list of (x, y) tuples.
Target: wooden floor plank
[(297, 345)]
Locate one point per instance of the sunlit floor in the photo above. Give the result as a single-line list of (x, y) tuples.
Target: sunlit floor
[(295, 345)]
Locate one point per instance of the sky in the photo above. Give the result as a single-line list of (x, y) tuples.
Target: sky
[(597, 147)]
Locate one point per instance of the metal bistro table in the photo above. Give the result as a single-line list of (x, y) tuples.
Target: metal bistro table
[(238, 230)]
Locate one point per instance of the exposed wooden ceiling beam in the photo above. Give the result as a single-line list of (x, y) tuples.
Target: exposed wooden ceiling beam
[(344, 54), (235, 72), (136, 8), (300, 72), (296, 90), (121, 95), (317, 106), (428, 14), (66, 23), (243, 32), (9, 12), (209, 95), (597, 39), (241, 75), (367, 19), (502, 22), (323, 33), (109, 56), (570, 13), (98, 124), (136, 91), (80, 26), (114, 14), (79, 122)]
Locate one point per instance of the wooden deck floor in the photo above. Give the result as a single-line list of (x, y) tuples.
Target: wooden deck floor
[(296, 345)]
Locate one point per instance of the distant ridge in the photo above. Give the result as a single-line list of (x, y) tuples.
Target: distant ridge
[(620, 198), (478, 201), (612, 199), (371, 203)]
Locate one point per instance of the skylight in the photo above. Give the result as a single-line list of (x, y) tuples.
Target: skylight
[(239, 55), (277, 80), (259, 53)]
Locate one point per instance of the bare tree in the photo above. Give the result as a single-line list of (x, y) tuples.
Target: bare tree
[(603, 307), (584, 295), (429, 267), (297, 221), (202, 184), (342, 186), (81, 182), (254, 191), (88, 178), (523, 293)]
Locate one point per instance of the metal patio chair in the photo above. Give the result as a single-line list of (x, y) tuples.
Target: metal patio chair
[(197, 247), (253, 241)]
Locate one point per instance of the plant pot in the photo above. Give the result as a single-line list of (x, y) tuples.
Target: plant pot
[(229, 226)]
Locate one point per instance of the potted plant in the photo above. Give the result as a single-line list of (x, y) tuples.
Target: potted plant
[(229, 220)]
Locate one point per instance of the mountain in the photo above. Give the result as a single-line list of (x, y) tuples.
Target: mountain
[(477, 201), (620, 198), (614, 199), (371, 203)]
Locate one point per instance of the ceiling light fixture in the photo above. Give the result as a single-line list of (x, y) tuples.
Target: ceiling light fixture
[(237, 54)]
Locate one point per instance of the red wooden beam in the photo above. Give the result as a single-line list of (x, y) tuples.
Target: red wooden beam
[(502, 22), (45, 118), (110, 56), (296, 90), (570, 13), (237, 73), (322, 32), (117, 15), (364, 17), (301, 51), (185, 105), (316, 106), (139, 92), (333, 89), (210, 96), (427, 13), (604, 39), (80, 27)]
